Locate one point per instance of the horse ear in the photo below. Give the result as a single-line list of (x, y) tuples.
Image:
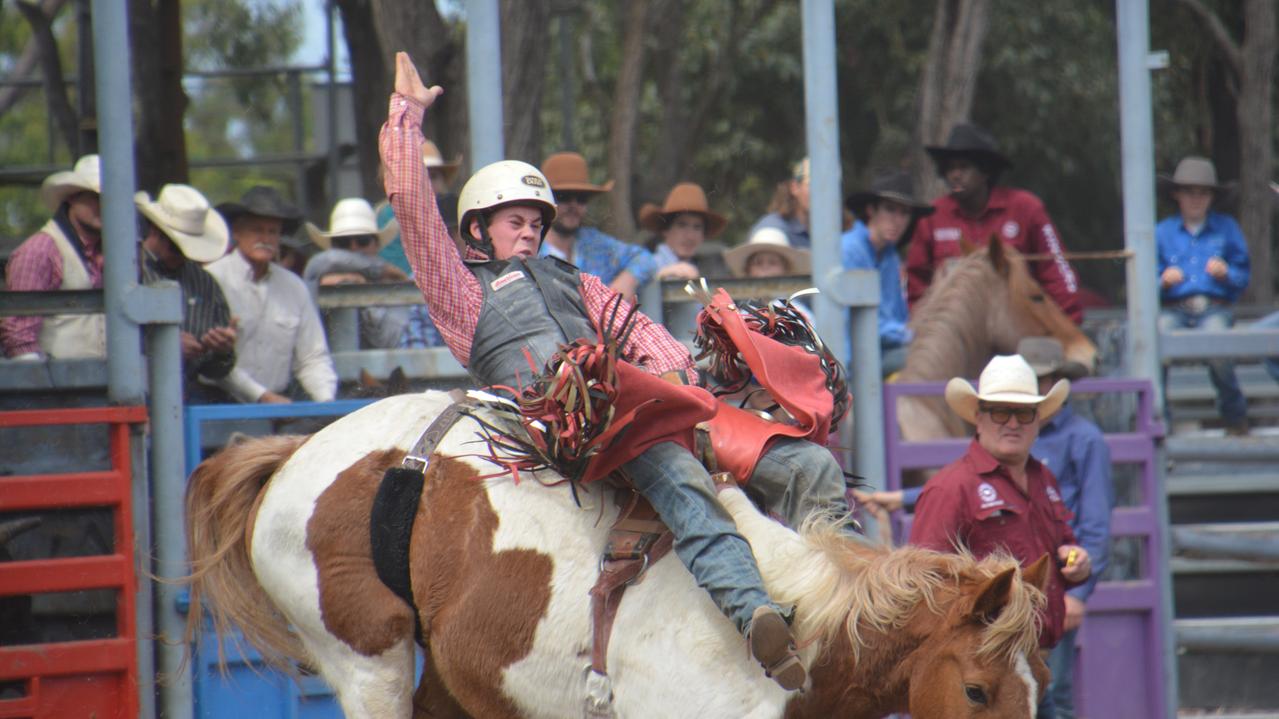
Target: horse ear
[(1036, 575), (397, 382), (998, 256), (367, 380), (992, 597)]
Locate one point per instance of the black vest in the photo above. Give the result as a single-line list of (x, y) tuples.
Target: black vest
[(532, 304)]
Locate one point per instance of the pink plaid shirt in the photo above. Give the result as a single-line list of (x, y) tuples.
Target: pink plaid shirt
[(34, 267), (453, 295)]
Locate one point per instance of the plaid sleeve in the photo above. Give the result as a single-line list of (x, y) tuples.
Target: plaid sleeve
[(650, 346), (35, 266), (452, 293)]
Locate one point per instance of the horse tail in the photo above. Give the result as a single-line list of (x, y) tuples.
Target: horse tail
[(221, 504)]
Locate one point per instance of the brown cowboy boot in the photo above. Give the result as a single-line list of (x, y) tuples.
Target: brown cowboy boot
[(773, 647)]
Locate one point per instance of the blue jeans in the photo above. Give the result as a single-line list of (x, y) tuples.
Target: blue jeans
[(794, 477), (1231, 403), (1061, 662), (1270, 322)]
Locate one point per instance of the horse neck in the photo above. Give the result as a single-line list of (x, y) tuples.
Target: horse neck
[(952, 327)]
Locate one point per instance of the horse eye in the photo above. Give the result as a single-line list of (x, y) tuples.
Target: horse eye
[(975, 694)]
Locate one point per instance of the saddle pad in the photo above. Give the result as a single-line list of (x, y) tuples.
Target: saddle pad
[(391, 526)]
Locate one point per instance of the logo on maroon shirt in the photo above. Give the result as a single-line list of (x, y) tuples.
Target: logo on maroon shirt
[(988, 496), (947, 234), (1011, 228), (1052, 494)]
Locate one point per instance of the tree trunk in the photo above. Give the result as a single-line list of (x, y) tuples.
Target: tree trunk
[(370, 87), (155, 42), (671, 160), (949, 81), (1256, 118), (526, 41), (621, 143), (418, 29), (55, 90)]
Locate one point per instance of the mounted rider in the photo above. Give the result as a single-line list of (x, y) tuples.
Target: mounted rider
[(500, 309)]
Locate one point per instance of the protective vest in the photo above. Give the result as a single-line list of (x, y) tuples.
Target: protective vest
[(72, 336), (531, 305)]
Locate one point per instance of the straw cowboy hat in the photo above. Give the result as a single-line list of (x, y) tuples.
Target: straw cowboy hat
[(968, 140), (1046, 356), (433, 158), (1007, 379), (894, 185), (684, 197), (263, 201), (352, 217), (183, 214), (566, 171), (768, 239), (86, 176)]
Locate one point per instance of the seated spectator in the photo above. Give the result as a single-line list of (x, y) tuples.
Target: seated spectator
[(886, 213), (441, 174), (624, 267), (683, 222), (788, 210), (181, 231), (349, 255), (295, 251), (1203, 268), (280, 334), (66, 254), (767, 254)]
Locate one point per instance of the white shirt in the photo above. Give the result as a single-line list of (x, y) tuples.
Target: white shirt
[(279, 332)]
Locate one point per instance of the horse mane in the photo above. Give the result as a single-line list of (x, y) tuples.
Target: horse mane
[(949, 323), (877, 589)]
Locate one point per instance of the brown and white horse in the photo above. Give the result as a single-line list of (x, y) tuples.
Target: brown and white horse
[(279, 538), (979, 305)]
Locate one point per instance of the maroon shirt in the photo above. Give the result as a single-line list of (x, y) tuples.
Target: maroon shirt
[(1015, 216), (974, 502)]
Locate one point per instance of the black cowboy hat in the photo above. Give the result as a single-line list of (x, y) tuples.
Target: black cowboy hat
[(894, 185), (263, 201), (968, 140)]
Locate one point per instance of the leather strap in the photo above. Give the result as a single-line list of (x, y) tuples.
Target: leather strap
[(419, 456), (637, 540)]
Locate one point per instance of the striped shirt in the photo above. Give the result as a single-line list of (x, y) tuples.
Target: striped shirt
[(204, 307), (453, 294), (36, 266)]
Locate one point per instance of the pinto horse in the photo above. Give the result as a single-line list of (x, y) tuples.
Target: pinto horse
[(500, 570), (978, 306)]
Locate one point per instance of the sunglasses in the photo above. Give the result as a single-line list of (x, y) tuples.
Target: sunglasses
[(578, 198), (1001, 415), (358, 241)]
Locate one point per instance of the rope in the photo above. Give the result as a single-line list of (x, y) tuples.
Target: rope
[(1083, 256)]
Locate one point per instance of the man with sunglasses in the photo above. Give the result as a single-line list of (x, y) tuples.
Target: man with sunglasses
[(997, 497), (623, 267)]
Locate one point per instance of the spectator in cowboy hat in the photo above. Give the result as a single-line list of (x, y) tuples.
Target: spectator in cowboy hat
[(280, 333), (442, 174), (683, 222), (886, 213), (180, 232), (350, 256), (66, 254), (622, 266), (767, 254), (977, 209), (1203, 267), (788, 210)]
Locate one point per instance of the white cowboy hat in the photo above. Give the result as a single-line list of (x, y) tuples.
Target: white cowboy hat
[(768, 239), (1008, 379), (86, 176), (351, 217), (184, 216), (432, 157)]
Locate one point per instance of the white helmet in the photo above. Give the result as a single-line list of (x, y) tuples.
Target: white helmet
[(503, 183)]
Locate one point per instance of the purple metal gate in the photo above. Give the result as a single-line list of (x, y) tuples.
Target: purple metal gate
[(1119, 669)]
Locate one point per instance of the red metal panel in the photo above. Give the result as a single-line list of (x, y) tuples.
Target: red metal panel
[(40, 576), (74, 415), (59, 491)]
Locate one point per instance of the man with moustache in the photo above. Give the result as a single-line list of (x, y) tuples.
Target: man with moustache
[(977, 209), (997, 497), (280, 333), (66, 254), (623, 267)]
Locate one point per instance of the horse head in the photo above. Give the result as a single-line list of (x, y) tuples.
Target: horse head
[(981, 659), (1031, 312)]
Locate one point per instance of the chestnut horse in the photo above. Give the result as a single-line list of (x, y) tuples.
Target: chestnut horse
[(978, 306), (500, 571)]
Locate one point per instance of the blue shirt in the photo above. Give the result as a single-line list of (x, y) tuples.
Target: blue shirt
[(1221, 237), (857, 253), (393, 252), (796, 231), (419, 331), (1073, 449), (596, 253)]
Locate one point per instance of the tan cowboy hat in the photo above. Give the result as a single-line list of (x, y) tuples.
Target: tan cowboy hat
[(183, 214), (566, 171), (1194, 171), (684, 197), (768, 239), (351, 217), (433, 158), (1007, 379), (86, 176)]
